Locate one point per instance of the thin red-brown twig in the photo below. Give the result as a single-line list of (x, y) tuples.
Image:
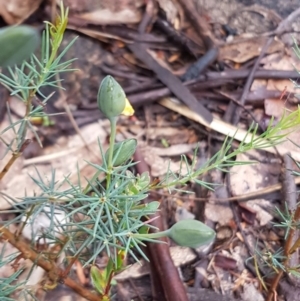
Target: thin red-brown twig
[(199, 23), (286, 253), (55, 274), (280, 29), (168, 285), (13, 158)]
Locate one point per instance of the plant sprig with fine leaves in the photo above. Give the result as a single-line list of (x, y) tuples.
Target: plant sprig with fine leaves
[(225, 158), (27, 80), (76, 222)]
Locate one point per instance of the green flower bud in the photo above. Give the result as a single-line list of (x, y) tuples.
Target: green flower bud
[(111, 98), (17, 43), (123, 151), (191, 233)]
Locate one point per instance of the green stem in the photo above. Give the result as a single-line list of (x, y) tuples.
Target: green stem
[(113, 129), (152, 235)]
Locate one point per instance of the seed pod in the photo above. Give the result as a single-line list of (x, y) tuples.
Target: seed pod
[(191, 233), (123, 151), (111, 98), (17, 43)]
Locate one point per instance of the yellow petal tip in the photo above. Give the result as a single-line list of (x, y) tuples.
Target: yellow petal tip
[(128, 110)]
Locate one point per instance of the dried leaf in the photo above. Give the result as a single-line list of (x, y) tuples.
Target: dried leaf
[(169, 7), (16, 11), (244, 51), (107, 12), (225, 262), (250, 178)]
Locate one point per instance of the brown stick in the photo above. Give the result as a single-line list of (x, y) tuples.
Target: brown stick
[(212, 79), (239, 74), (238, 111), (286, 252), (160, 259), (184, 42), (201, 64), (289, 192), (148, 16), (208, 80), (280, 29), (171, 81), (13, 158), (261, 193), (54, 273), (198, 22)]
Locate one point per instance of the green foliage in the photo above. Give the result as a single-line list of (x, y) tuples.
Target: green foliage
[(122, 152), (102, 280), (286, 221), (279, 261), (26, 80), (7, 285), (275, 134), (108, 214)]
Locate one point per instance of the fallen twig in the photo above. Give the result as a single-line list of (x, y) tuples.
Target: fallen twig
[(171, 81), (261, 193), (280, 29), (176, 36), (199, 23), (55, 274), (286, 253), (237, 111), (223, 127), (164, 274)]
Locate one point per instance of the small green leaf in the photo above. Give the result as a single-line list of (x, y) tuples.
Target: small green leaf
[(98, 280), (143, 180), (109, 270), (153, 206), (164, 142), (120, 260), (143, 230), (294, 272), (123, 151)]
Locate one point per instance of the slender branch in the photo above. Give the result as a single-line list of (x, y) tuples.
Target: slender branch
[(164, 274), (237, 198), (113, 126), (249, 81), (8, 165), (56, 32), (286, 252), (55, 274), (13, 158)]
